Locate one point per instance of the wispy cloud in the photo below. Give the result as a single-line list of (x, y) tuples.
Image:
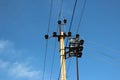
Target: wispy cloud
[(8, 51), (3, 64), (12, 64), (5, 44), (20, 70), (24, 71)]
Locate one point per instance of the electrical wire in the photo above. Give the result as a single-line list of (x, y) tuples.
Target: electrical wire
[(60, 13), (81, 16), (51, 4), (72, 18), (50, 14), (53, 61), (68, 68), (105, 47), (103, 60), (73, 15), (53, 58), (70, 28), (78, 26), (106, 55), (45, 60)]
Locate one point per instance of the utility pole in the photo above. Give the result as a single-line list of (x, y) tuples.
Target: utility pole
[(62, 57), (62, 53), (73, 50), (62, 35)]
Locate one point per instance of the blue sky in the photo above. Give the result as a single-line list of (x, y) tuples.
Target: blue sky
[(23, 24)]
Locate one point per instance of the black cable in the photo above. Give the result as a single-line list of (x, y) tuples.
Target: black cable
[(61, 8), (78, 25), (106, 55), (73, 15), (68, 68), (53, 61), (51, 5), (47, 40), (45, 60), (105, 47), (103, 60), (71, 26), (82, 12), (72, 18)]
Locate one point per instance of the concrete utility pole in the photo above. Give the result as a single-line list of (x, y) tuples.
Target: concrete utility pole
[(62, 57), (62, 51), (61, 38)]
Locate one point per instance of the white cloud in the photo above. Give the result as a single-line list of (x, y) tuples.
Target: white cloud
[(3, 64), (23, 71), (5, 44), (8, 51), (10, 63), (20, 70)]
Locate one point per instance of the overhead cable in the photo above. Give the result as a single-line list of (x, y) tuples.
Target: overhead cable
[(50, 14), (53, 61), (72, 18), (82, 12), (73, 15), (51, 4), (71, 25), (45, 60), (60, 13)]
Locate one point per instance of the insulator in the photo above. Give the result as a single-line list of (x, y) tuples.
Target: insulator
[(59, 22), (81, 42), (65, 21), (64, 34), (79, 55), (77, 35), (69, 34), (81, 48), (46, 36), (54, 34)]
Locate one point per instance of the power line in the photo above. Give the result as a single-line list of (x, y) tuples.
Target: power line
[(51, 4), (68, 68), (72, 18), (73, 15), (82, 12), (70, 27), (45, 60), (103, 60), (50, 14), (60, 13), (53, 58), (53, 61), (106, 55), (105, 47)]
